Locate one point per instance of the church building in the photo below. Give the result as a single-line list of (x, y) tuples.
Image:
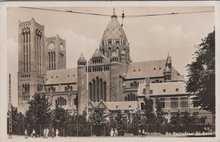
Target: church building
[(109, 80)]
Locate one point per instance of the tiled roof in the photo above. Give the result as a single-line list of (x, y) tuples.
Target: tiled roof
[(125, 105), (128, 105), (61, 76), (168, 88), (176, 76), (97, 54), (146, 69), (114, 31), (153, 68), (70, 107), (93, 104)]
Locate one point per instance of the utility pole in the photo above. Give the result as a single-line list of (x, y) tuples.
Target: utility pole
[(10, 109)]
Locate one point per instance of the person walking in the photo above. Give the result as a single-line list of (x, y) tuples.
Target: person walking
[(47, 132), (57, 132), (52, 132), (33, 133), (44, 133), (111, 132), (116, 132), (25, 133)]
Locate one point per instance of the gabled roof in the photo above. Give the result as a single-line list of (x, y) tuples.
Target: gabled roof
[(146, 69), (93, 104), (168, 88), (102, 105), (98, 54), (61, 76), (154, 68), (70, 107), (125, 105)]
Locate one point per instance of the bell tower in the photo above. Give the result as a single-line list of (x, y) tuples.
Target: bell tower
[(31, 69), (55, 53)]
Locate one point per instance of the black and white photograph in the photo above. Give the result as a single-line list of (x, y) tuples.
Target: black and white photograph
[(117, 71)]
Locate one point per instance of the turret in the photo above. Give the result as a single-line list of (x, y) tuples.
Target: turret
[(123, 57), (82, 84), (115, 40), (168, 69)]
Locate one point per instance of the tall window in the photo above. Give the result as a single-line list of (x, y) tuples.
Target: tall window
[(26, 92), (174, 102), (162, 101), (184, 102), (195, 103), (131, 97), (60, 101), (109, 41), (98, 90)]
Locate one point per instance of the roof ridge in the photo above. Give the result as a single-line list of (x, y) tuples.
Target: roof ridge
[(149, 61)]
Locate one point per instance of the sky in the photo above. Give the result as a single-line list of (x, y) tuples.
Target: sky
[(150, 38)]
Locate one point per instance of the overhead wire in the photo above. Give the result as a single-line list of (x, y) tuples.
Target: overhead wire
[(123, 15)]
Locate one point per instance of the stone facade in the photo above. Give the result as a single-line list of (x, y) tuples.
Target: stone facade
[(55, 53), (31, 68), (109, 76)]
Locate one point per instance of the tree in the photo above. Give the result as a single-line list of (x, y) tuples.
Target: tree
[(120, 124), (149, 114), (201, 75), (175, 121), (136, 123), (59, 119), (159, 114), (97, 119), (149, 111), (38, 114), (17, 121)]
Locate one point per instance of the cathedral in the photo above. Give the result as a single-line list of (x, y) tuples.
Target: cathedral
[(109, 80)]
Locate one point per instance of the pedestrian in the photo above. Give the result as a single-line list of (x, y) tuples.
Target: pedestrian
[(116, 132), (57, 132), (47, 132), (111, 132), (143, 132), (139, 132), (25, 133), (44, 133), (52, 132), (33, 133)]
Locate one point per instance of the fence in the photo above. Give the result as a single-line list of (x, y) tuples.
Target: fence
[(105, 129)]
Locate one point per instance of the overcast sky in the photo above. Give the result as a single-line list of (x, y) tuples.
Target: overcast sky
[(150, 38)]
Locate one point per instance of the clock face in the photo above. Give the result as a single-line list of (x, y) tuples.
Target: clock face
[(61, 47), (51, 45)]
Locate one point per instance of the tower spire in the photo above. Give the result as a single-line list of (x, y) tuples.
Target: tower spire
[(113, 15), (122, 17)]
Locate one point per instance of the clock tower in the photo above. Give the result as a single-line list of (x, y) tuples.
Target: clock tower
[(55, 53)]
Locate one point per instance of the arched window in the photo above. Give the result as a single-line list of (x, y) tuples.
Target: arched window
[(126, 98), (142, 106), (60, 101)]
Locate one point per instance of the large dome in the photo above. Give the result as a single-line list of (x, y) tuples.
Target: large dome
[(114, 40), (114, 31)]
